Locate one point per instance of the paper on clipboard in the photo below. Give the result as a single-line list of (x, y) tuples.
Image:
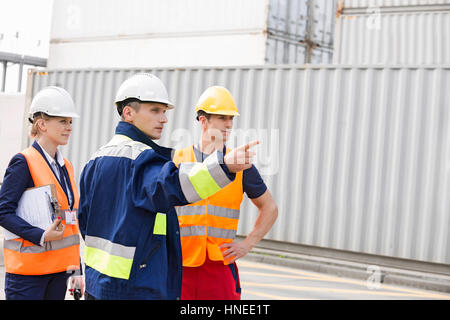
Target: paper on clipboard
[(35, 207)]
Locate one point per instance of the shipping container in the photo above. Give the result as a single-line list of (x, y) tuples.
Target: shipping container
[(302, 20), (283, 51), (161, 52), (151, 33), (355, 156), (12, 117), (398, 32), (91, 20), (300, 32)]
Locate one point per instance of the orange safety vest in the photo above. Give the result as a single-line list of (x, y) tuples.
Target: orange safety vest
[(26, 258), (207, 224)]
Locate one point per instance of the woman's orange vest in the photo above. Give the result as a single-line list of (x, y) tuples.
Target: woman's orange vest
[(24, 257), (207, 224)]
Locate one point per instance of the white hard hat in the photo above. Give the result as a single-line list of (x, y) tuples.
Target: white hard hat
[(145, 87), (53, 101)]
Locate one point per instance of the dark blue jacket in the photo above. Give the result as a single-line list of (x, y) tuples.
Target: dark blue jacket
[(127, 193)]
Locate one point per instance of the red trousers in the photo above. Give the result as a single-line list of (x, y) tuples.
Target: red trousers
[(211, 281)]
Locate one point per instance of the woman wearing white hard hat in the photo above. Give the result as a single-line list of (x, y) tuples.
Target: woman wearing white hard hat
[(38, 262)]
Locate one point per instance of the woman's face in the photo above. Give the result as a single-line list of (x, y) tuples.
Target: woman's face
[(57, 129)]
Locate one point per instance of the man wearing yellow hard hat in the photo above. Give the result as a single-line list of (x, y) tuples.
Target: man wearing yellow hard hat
[(208, 227)]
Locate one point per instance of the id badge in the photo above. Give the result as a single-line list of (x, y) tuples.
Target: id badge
[(71, 217)]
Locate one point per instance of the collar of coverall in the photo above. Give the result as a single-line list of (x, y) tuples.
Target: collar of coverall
[(132, 132)]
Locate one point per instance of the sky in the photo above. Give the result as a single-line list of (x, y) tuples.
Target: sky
[(24, 29)]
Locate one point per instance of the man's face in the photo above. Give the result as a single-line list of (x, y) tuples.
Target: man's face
[(218, 126), (150, 118)]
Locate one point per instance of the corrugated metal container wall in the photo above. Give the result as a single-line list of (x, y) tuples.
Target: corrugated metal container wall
[(397, 35), (301, 19), (282, 51), (300, 31), (356, 157)]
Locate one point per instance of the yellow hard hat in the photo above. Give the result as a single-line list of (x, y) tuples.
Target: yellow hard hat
[(217, 100)]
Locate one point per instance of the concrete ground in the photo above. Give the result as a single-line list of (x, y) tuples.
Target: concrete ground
[(271, 275), (261, 281)]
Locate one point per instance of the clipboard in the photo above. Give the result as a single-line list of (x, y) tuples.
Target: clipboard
[(38, 206)]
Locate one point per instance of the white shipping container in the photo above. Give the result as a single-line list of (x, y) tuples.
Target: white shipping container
[(245, 49), (151, 33), (375, 37), (144, 33), (118, 19)]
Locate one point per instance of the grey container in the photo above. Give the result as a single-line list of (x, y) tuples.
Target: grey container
[(357, 157), (300, 31), (394, 32)]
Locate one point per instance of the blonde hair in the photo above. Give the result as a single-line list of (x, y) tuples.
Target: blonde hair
[(34, 129)]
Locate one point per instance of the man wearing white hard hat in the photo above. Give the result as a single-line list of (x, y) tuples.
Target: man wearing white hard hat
[(129, 189), (39, 262)]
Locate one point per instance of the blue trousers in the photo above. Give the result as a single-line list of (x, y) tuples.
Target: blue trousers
[(42, 287)]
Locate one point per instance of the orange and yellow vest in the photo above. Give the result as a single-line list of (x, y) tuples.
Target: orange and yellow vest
[(209, 223), (24, 257)]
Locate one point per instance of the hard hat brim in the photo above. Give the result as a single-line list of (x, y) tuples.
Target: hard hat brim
[(222, 113), (62, 115), (65, 115), (167, 103)]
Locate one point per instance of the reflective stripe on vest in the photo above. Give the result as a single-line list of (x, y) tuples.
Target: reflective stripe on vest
[(212, 211), (208, 223), (48, 246), (22, 256), (210, 231), (221, 233), (192, 231), (113, 259)]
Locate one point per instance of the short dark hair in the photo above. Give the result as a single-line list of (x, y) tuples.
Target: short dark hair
[(202, 113), (127, 102)]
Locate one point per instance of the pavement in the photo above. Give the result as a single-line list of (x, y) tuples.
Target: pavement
[(263, 281), (375, 274), (275, 274)]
